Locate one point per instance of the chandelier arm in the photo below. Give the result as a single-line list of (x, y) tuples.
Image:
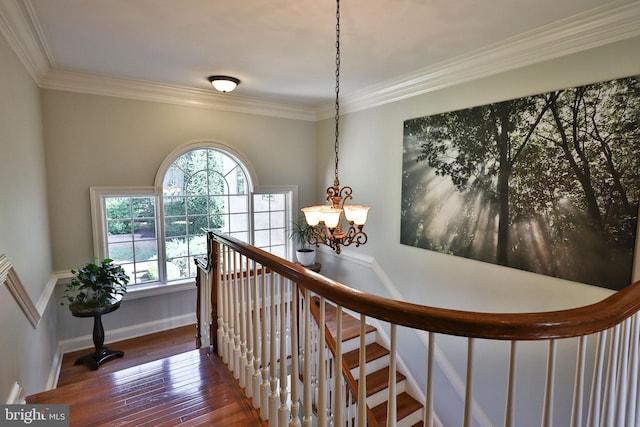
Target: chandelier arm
[(354, 235)]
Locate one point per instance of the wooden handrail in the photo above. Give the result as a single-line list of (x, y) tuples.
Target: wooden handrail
[(501, 326)]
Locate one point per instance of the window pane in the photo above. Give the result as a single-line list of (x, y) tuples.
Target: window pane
[(261, 221), (145, 250), (177, 268), (217, 184), (176, 226), (144, 229), (198, 184), (277, 219), (198, 245), (119, 228), (143, 207), (219, 222), (278, 236), (175, 206), (198, 225), (238, 204), (120, 252), (239, 223), (218, 204), (197, 205), (118, 207), (261, 239), (174, 181)]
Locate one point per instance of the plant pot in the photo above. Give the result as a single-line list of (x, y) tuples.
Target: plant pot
[(306, 257)]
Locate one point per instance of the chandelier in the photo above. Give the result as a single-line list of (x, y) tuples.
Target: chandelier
[(326, 221)]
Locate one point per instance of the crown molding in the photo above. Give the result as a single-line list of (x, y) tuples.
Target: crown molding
[(598, 27), (19, 27), (72, 81)]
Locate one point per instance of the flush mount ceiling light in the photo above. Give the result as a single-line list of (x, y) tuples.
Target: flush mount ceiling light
[(224, 83), (326, 220)]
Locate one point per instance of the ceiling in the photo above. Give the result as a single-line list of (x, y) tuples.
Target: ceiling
[(283, 51)]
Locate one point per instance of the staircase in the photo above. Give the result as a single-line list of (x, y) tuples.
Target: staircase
[(409, 410)]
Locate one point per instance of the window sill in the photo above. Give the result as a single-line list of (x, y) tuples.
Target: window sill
[(144, 291)]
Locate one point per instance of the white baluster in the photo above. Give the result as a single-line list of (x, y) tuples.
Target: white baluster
[(264, 387), (578, 389), (237, 275), (273, 358), (231, 337), (339, 403), (547, 411), (621, 408), (595, 408), (283, 411), (306, 375), (295, 404), (428, 410), (391, 399), (251, 278), (258, 286), (222, 283), (511, 387), (468, 398), (610, 401), (632, 406), (243, 280), (322, 377), (362, 377)]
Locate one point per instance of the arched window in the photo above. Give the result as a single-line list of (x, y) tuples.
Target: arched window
[(154, 232), (204, 188)]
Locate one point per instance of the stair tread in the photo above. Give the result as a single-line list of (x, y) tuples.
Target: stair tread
[(406, 405), (373, 351), (379, 380)]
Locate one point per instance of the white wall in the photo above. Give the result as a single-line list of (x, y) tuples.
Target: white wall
[(371, 163), (25, 352)]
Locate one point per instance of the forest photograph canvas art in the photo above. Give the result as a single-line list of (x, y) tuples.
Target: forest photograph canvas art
[(547, 183)]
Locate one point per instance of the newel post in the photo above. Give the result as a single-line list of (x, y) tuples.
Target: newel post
[(213, 254)]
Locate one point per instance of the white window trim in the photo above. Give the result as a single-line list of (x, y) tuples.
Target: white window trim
[(97, 195), (292, 202)]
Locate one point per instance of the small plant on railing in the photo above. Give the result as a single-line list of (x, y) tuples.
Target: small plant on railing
[(96, 285), (300, 232)]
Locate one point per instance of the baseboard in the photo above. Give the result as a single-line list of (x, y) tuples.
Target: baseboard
[(133, 331), (56, 365), (16, 395)]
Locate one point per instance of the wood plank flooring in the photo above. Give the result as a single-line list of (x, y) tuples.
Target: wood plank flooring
[(157, 383)]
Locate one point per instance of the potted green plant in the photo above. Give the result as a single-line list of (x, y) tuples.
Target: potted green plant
[(300, 232), (96, 285)]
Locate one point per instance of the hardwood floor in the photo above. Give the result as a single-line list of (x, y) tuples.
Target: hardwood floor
[(161, 381)]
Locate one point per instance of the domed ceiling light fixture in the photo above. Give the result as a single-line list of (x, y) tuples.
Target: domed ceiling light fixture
[(224, 83), (326, 220)]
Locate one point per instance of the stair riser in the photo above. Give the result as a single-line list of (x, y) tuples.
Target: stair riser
[(381, 396), (411, 419), (371, 366), (354, 343)]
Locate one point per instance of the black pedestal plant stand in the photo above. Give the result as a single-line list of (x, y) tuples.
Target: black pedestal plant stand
[(96, 289), (101, 354)]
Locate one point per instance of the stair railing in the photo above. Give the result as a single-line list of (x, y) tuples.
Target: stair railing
[(264, 336)]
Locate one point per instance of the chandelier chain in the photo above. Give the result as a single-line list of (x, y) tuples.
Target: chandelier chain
[(336, 181)]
